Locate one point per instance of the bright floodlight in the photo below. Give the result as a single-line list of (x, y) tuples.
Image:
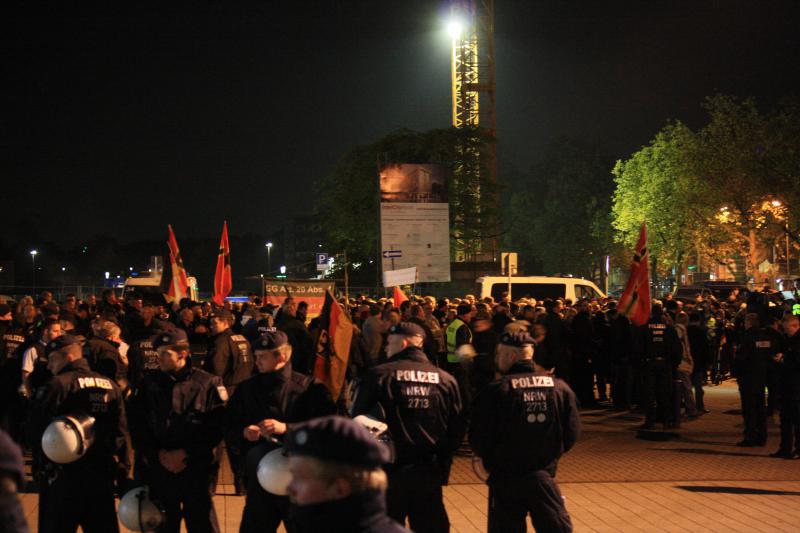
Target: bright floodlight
[(283, 269), (776, 203), (454, 27), (34, 252), (269, 245)]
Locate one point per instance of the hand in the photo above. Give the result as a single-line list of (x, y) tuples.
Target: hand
[(270, 427), (174, 461), (252, 433)]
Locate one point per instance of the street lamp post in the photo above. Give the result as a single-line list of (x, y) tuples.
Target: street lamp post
[(269, 258), (33, 262)]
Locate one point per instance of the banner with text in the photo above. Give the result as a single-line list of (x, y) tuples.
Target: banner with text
[(415, 221), (311, 292), (404, 276)]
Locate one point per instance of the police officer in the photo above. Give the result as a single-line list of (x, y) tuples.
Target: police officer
[(789, 362), (422, 406), (265, 407), (12, 338), (177, 420), (520, 427), (143, 358), (34, 359), (756, 350), (337, 482), (80, 492), (660, 352), (229, 354)]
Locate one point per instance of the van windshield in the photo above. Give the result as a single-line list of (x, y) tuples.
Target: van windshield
[(540, 291)]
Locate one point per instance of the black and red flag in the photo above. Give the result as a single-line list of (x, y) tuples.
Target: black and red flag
[(333, 345), (179, 284), (635, 300), (223, 281)]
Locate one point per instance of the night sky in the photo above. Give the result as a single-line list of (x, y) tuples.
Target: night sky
[(119, 122)]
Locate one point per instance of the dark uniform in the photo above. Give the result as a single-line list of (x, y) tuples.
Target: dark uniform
[(338, 440), (81, 492), (660, 352), (12, 338), (282, 395), (12, 477), (230, 357), (180, 411), (103, 356), (422, 406), (756, 349), (520, 427), (790, 399)]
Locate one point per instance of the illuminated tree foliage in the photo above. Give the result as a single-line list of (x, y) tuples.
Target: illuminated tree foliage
[(726, 190)]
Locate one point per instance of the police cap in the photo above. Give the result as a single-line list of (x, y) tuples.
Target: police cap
[(270, 340), (338, 439), (176, 337), (517, 339), (407, 329), (61, 342)]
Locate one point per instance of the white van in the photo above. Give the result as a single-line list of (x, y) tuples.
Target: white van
[(539, 287)]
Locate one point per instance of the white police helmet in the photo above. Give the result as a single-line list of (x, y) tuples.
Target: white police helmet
[(137, 511), (273, 472), (465, 352), (68, 437)]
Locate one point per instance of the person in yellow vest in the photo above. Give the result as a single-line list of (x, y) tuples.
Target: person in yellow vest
[(460, 352)]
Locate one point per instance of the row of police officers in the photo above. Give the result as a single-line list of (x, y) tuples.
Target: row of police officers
[(178, 414)]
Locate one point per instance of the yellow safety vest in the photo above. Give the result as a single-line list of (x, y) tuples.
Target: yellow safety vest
[(451, 340)]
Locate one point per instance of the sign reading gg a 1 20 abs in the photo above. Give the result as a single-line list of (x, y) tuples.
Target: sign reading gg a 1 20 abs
[(415, 220)]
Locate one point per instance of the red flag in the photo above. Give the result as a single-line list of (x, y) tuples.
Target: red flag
[(333, 346), (398, 297), (223, 281), (179, 287), (635, 300)]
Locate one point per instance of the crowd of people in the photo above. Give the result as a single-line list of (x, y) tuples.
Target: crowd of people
[(169, 389)]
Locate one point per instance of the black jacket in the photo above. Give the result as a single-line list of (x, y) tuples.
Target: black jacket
[(103, 356), (178, 411), (284, 395), (230, 357), (362, 512), (303, 353), (79, 390), (142, 360), (523, 423), (420, 403)]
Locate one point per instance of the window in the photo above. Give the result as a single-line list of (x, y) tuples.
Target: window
[(540, 291)]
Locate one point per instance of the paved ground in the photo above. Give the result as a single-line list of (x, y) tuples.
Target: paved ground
[(614, 481)]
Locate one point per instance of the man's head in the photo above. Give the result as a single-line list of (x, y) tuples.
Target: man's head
[(110, 331), (404, 335), (331, 458), (272, 351), (513, 347), (173, 350), (791, 323), (464, 311), (61, 351), (220, 320), (51, 331), (148, 311), (5, 312)]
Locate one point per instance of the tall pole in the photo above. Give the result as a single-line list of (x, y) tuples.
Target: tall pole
[(33, 262), (269, 258), (788, 265)]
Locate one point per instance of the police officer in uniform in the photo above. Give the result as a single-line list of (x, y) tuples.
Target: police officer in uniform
[(789, 362), (79, 492), (12, 477), (422, 406), (12, 338), (143, 359), (756, 350), (520, 426), (337, 482), (660, 352), (229, 354), (265, 407), (177, 420)]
